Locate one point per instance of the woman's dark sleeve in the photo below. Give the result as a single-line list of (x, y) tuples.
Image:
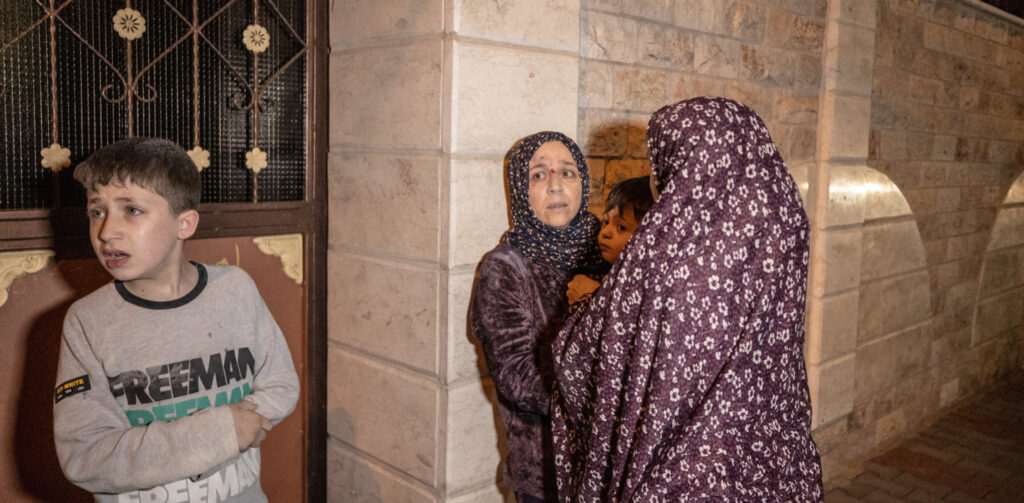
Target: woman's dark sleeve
[(504, 324)]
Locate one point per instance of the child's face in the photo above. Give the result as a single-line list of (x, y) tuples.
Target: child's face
[(616, 229), (135, 233), (555, 185)]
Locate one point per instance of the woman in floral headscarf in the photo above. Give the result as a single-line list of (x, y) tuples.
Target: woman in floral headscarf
[(683, 378), (519, 297)]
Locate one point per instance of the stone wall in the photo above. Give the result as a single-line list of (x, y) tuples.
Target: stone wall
[(640, 55), (946, 128), (426, 99), (901, 120)]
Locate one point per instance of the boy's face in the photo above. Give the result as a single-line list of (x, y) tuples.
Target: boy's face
[(616, 229), (135, 233), (555, 185)]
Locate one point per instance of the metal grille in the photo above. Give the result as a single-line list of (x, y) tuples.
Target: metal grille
[(71, 74), (1015, 7)]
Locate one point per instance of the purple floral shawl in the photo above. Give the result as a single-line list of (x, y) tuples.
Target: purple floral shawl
[(684, 379)]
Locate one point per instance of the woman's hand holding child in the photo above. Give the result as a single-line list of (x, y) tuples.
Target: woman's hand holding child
[(580, 287)]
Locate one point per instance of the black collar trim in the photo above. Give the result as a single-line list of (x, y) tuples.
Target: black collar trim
[(166, 304)]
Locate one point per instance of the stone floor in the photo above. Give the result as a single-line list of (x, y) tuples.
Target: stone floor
[(974, 452)]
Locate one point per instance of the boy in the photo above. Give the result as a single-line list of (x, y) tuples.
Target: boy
[(626, 205), (170, 376)]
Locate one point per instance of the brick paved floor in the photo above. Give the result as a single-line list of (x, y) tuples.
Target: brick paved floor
[(974, 452)]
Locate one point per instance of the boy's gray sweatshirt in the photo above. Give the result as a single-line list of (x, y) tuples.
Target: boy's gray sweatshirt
[(139, 409)]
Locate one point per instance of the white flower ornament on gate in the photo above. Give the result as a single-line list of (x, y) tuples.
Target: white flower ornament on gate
[(129, 24), (56, 157), (200, 156), (256, 38), (256, 160)]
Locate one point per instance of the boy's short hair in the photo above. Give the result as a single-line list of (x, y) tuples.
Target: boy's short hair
[(155, 164), (635, 192)]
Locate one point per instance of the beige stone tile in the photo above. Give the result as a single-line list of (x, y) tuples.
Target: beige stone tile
[(998, 314), (596, 84), (832, 326), (849, 119), (684, 86), (808, 73), (479, 208), (795, 143), (388, 96), (542, 86), (767, 65), (357, 22), (885, 362), (842, 260), (943, 39), (800, 173), (1008, 229), (891, 248), (553, 24), (1001, 270), (857, 11), (703, 15), (384, 308), (604, 133), (475, 444), (716, 56), (401, 430), (373, 192), (465, 355), (845, 195), (794, 32), (489, 494), (748, 21), (1016, 193), (608, 37), (949, 392), (659, 10), (831, 388), (639, 90), (759, 98), (882, 198), (849, 59), (944, 148), (667, 46), (796, 109), (356, 479), (893, 304)]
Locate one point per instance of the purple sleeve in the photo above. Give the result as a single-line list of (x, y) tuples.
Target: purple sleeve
[(504, 324)]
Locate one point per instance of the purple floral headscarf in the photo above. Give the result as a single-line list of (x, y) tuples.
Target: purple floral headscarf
[(684, 379), (573, 248)]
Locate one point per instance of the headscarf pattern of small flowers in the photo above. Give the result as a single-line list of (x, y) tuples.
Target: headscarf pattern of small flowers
[(683, 379), (573, 248)]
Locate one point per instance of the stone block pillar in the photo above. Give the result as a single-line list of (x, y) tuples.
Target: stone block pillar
[(836, 208), (426, 99)]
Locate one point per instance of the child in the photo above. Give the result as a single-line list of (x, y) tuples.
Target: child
[(627, 203), (625, 207), (170, 376)]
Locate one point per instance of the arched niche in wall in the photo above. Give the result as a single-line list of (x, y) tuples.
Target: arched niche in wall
[(998, 322)]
